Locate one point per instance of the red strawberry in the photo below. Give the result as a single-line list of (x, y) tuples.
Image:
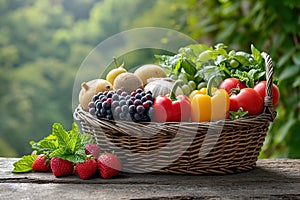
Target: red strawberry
[(61, 167), (108, 165), (93, 150), (40, 164), (87, 168)]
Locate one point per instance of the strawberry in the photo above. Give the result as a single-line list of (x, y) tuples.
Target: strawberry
[(87, 168), (41, 164), (61, 167), (108, 165), (93, 150)]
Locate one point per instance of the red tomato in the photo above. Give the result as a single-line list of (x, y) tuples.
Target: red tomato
[(231, 83), (260, 88), (248, 99)]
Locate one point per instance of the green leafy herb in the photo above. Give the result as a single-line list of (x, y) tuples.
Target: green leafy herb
[(24, 164), (71, 146), (68, 145), (201, 62)]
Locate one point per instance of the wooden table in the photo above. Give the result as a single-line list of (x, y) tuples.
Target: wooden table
[(271, 179)]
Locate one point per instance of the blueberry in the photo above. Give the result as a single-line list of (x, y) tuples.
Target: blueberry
[(139, 90), (144, 99), (95, 98), (110, 94), (138, 96)]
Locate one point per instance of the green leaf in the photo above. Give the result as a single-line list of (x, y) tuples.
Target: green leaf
[(257, 75), (24, 164), (208, 71), (296, 83), (285, 57), (244, 76), (296, 58), (219, 59), (288, 72), (71, 144), (238, 114), (243, 58), (256, 54), (61, 134), (188, 67), (178, 66)]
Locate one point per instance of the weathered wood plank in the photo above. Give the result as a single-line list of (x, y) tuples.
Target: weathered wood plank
[(272, 178)]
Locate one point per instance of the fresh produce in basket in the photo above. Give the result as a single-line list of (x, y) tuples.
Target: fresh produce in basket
[(161, 86), (235, 70), (199, 62), (261, 89), (112, 74), (90, 88), (127, 82), (120, 105), (209, 103), (247, 99), (172, 108), (231, 84), (147, 71)]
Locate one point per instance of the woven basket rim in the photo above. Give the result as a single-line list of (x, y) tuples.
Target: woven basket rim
[(269, 115)]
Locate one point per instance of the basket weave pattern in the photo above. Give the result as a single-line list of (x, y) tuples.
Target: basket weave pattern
[(220, 147)]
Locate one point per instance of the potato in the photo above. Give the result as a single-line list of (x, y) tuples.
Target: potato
[(128, 82), (149, 71)]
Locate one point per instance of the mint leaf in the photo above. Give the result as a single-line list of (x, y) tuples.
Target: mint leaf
[(71, 144), (61, 134), (46, 145), (24, 164)]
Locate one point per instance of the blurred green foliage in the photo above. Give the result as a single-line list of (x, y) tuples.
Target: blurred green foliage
[(43, 43)]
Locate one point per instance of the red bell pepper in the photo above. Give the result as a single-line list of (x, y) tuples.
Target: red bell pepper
[(172, 108)]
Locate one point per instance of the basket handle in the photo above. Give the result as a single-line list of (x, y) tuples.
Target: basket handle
[(268, 100)]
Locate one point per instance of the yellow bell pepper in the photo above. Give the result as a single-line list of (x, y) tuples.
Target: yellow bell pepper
[(209, 104)]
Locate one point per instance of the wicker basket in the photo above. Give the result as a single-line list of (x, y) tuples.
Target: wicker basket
[(220, 147)]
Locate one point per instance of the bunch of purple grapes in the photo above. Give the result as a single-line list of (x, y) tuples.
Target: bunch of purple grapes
[(119, 105)]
